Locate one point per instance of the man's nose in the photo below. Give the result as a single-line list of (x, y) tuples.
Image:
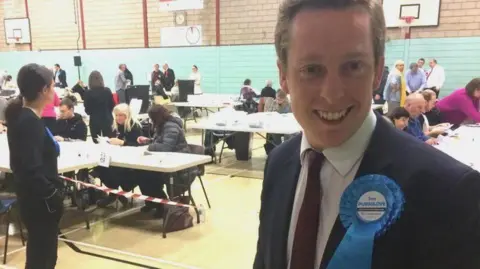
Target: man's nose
[(332, 88)]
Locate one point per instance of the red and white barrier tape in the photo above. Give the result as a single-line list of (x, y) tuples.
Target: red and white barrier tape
[(126, 194)]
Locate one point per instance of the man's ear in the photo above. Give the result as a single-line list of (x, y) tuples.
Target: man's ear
[(282, 74), (379, 69)]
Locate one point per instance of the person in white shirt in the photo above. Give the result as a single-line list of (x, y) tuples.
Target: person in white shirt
[(174, 92), (435, 77), (195, 75)]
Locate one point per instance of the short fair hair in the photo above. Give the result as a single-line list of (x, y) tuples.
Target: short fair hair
[(290, 8)]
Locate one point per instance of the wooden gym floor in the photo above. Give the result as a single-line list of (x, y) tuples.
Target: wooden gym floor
[(227, 239)]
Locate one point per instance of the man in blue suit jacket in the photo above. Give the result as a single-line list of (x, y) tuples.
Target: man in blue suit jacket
[(329, 73), (60, 77)]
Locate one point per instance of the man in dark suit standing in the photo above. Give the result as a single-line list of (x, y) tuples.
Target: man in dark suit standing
[(128, 75), (329, 73), (168, 77), (60, 77)]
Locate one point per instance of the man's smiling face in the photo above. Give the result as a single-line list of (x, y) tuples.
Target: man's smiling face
[(330, 73)]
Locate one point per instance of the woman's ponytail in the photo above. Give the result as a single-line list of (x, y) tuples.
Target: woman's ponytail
[(13, 110)]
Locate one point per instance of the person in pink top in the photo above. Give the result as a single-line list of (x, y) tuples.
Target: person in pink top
[(49, 116), (462, 104)]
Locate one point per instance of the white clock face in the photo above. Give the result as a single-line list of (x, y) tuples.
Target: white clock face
[(193, 35), (179, 19)]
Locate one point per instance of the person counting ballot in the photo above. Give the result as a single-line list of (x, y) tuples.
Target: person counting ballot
[(126, 130), (70, 125), (169, 136), (352, 191), (33, 161)]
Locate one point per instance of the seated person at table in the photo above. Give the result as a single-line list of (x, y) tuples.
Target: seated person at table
[(414, 104), (431, 128), (431, 113), (267, 93), (461, 105), (126, 131), (70, 125), (249, 105), (399, 118), (280, 104), (169, 137), (247, 92)]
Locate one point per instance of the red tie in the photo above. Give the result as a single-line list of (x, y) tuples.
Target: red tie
[(304, 249), (429, 73)]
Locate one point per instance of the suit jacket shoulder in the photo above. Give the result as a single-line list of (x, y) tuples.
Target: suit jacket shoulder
[(441, 206)]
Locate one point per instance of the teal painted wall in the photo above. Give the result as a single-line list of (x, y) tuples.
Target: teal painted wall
[(224, 68)]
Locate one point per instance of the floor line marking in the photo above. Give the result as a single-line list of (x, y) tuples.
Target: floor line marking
[(129, 254)]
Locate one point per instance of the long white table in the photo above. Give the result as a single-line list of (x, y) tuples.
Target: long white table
[(464, 145), (204, 104), (141, 159), (263, 122), (79, 155)]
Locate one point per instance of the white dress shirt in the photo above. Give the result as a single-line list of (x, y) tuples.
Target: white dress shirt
[(338, 171), (197, 77), (436, 77)]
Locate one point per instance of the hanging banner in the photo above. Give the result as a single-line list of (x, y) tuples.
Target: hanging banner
[(175, 5)]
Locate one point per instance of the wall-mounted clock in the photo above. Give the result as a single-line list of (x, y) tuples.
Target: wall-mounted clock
[(180, 18), (193, 35)]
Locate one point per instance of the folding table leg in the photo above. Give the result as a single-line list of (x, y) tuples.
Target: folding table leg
[(80, 206)]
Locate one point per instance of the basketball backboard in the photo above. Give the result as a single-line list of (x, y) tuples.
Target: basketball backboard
[(424, 12), (17, 31)]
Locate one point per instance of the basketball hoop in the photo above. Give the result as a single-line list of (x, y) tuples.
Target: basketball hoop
[(17, 39), (405, 26)]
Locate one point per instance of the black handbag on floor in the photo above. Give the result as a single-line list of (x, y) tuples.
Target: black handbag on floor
[(179, 218)]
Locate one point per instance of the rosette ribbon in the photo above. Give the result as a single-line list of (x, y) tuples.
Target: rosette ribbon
[(368, 207)]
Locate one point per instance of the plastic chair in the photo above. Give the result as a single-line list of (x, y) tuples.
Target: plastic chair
[(7, 205)]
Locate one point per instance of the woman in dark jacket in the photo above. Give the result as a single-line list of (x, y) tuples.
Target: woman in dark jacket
[(33, 160), (126, 131), (99, 104), (169, 137)]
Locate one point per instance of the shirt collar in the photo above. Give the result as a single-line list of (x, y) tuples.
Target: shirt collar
[(345, 156)]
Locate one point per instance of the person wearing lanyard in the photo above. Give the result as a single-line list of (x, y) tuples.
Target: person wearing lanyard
[(33, 161)]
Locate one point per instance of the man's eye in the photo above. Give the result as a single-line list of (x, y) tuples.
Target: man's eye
[(312, 70), (353, 68)]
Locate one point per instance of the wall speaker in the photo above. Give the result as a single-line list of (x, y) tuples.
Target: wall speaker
[(77, 60)]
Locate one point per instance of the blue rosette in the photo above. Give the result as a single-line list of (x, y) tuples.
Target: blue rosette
[(368, 208)]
